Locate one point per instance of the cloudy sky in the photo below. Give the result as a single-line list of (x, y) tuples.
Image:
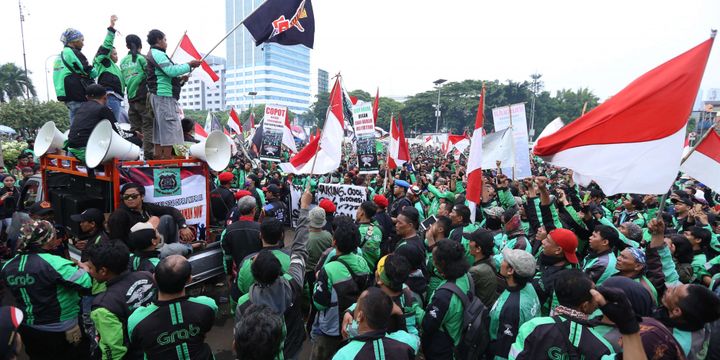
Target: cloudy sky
[(403, 46)]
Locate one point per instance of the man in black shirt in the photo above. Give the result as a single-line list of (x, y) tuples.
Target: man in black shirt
[(274, 208), (87, 116), (173, 326), (222, 198)]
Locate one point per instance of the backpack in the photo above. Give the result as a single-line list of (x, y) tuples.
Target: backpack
[(361, 281), (474, 335)]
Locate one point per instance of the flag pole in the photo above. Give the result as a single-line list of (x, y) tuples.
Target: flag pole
[(584, 108), (178, 44), (231, 31)]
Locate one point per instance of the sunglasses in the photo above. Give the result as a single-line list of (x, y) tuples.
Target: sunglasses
[(130, 196)]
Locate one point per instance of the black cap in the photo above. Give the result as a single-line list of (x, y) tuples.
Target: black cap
[(95, 91), (683, 199), (92, 214), (272, 188), (40, 208)]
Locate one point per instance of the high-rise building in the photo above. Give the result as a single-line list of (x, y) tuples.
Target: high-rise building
[(322, 81), (196, 95), (280, 75)]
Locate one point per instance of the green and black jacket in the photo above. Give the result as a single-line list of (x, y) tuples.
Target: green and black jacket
[(163, 74), (46, 288), (514, 307), (557, 337), (109, 74), (112, 308), (144, 261), (377, 345), (134, 77), (173, 329), (70, 71), (335, 290), (442, 323), (245, 277)]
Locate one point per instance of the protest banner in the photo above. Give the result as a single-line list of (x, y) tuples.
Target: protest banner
[(514, 115), (365, 138), (273, 129), (182, 188), (347, 199)]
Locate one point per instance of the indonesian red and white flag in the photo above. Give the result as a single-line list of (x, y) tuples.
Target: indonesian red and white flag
[(376, 106), (185, 52), (632, 143), (323, 154), (200, 133), (457, 142), (394, 145), (234, 122), (474, 164), (288, 139), (403, 148), (703, 164)]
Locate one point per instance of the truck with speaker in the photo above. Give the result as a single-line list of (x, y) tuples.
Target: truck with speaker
[(72, 186)]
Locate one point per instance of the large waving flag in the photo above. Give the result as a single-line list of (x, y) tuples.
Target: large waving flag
[(287, 22), (234, 122), (288, 138), (458, 142), (185, 52), (633, 142), (497, 146), (403, 147), (474, 166), (323, 154), (394, 147), (703, 164)]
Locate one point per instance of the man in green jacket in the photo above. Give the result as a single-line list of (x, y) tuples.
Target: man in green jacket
[(133, 68), (164, 79), (109, 74), (71, 72)]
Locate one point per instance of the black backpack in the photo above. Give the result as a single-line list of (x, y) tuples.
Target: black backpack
[(474, 335)]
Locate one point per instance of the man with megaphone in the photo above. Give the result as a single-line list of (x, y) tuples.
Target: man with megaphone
[(87, 117)]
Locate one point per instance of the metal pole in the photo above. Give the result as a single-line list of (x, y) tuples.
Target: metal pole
[(231, 31), (437, 111), (47, 86), (22, 37)]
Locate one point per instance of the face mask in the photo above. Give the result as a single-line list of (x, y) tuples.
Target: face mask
[(352, 329)]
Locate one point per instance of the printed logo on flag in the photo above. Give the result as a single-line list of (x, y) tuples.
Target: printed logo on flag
[(280, 25), (167, 182)]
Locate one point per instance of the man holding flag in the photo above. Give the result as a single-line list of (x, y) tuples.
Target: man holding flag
[(164, 79)]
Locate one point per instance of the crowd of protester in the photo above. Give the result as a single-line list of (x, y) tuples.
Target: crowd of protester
[(546, 269), (542, 269)]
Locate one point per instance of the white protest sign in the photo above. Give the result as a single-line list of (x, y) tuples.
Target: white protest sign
[(347, 198), (514, 115)]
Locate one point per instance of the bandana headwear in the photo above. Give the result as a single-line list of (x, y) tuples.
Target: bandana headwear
[(70, 35), (35, 234), (639, 255)]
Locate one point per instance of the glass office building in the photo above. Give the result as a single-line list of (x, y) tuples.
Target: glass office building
[(280, 75)]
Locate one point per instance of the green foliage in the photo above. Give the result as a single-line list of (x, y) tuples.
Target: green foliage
[(361, 95), (13, 82), (11, 150), (198, 116), (32, 114)]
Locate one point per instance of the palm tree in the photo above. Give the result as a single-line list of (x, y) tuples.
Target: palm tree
[(13, 82)]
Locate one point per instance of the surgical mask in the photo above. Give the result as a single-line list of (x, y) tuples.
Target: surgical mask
[(352, 329)]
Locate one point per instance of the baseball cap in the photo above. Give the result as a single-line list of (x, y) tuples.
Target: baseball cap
[(402, 183), (683, 199), (521, 261), (92, 214), (328, 206), (381, 201), (494, 211), (241, 194), (226, 176), (566, 240), (414, 190), (40, 208), (272, 188)]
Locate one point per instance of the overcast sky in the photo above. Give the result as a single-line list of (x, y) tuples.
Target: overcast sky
[(403, 46)]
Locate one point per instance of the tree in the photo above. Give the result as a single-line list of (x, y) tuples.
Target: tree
[(32, 114), (361, 95), (13, 83)]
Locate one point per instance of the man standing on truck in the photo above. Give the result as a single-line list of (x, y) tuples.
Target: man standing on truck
[(168, 221), (87, 116)]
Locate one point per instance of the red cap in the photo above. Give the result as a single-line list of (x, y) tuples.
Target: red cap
[(327, 205), (380, 201), (241, 193), (566, 240), (226, 176)]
